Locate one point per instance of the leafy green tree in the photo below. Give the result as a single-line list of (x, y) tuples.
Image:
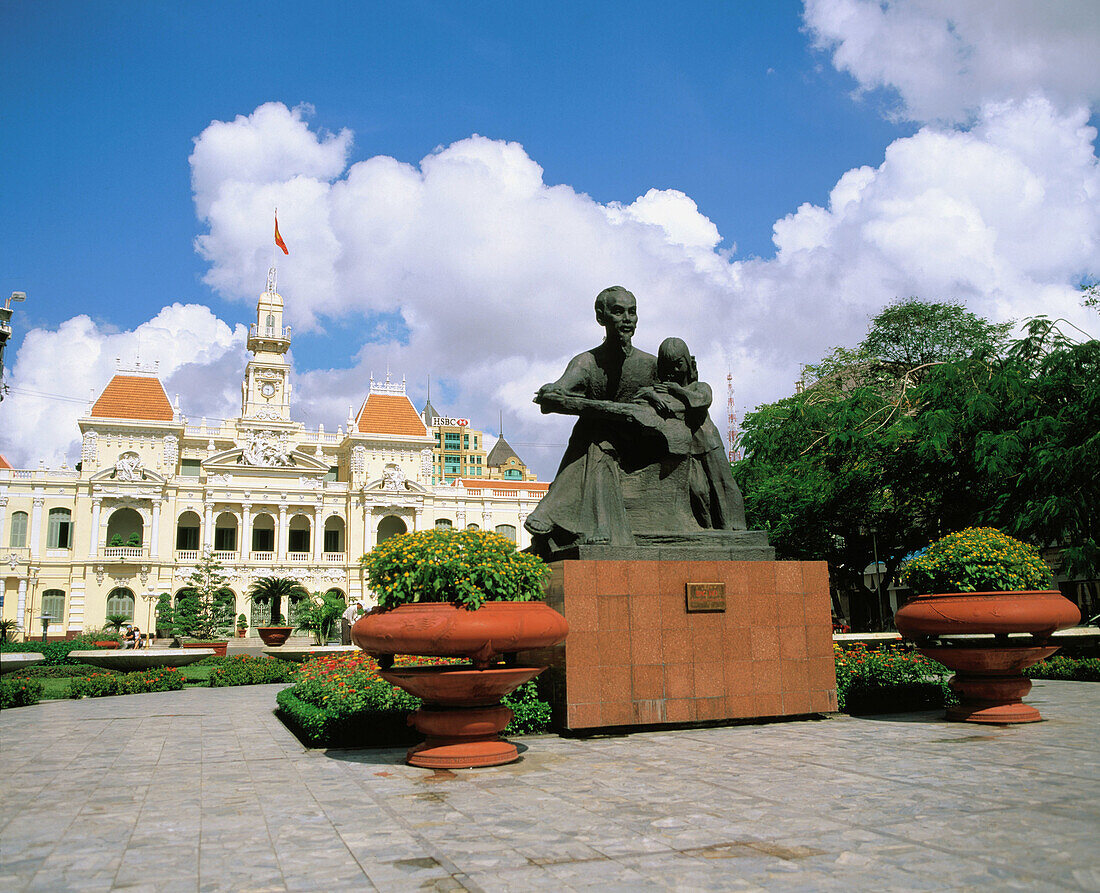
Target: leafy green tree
[(274, 590), (831, 471)]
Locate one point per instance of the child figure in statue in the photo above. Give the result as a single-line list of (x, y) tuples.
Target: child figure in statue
[(715, 497)]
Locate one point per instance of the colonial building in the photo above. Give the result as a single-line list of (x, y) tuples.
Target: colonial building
[(268, 496)]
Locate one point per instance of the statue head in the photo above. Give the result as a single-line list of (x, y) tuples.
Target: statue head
[(675, 362), (617, 312)]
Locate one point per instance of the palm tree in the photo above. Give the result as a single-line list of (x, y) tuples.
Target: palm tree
[(276, 589)]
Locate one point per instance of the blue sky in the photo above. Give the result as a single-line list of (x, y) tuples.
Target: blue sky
[(750, 111)]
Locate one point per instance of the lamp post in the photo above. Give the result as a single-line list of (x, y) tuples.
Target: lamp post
[(45, 619), (5, 330), (149, 596)]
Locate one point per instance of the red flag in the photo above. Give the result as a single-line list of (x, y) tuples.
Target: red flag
[(279, 239)]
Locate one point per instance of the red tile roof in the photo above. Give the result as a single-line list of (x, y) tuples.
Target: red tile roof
[(390, 414), (133, 397), (490, 484), (4, 463)]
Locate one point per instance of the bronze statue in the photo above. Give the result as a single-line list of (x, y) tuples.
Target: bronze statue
[(644, 462)]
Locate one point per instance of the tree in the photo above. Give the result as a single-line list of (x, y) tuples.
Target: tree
[(205, 611), (274, 590), (830, 471)]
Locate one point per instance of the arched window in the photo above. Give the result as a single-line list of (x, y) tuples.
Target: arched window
[(298, 539), (334, 534), (263, 533), (443, 522), (124, 528), (121, 601), (271, 324), (59, 532), (507, 530), (187, 532), (18, 538), (53, 603), (389, 526), (472, 527), (513, 474), (225, 532)]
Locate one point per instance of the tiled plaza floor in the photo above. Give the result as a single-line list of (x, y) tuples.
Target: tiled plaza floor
[(204, 790)]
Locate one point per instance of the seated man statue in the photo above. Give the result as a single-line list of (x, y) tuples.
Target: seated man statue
[(614, 435)]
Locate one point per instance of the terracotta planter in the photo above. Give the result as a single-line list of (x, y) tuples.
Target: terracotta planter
[(444, 630), (109, 643), (988, 676), (462, 716), (219, 647), (274, 636)]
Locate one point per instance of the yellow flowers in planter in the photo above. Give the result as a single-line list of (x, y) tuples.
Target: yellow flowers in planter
[(978, 559)]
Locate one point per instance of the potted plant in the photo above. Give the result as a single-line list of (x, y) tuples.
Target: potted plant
[(980, 581), (204, 613), (242, 626), (457, 593), (272, 590), (321, 616)]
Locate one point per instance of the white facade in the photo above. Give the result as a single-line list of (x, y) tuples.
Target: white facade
[(269, 496)]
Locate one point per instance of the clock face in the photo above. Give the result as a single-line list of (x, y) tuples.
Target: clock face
[(268, 390)]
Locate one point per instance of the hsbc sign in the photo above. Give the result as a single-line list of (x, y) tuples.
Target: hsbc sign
[(448, 420)]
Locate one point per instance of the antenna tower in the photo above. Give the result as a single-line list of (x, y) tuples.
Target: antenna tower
[(731, 431)]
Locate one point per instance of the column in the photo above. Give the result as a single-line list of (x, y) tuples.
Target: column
[(21, 607), (282, 533), (93, 546), (154, 531), (4, 537), (521, 532), (76, 607), (460, 519), (418, 522), (36, 526), (208, 526), (368, 530), (318, 533), (245, 545)]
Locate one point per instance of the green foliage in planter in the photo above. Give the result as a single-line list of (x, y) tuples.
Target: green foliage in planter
[(342, 701), (55, 652), (242, 622), (462, 567), (164, 613), (1073, 669), (274, 590), (100, 685), (19, 692), (244, 670), (978, 559), (115, 622), (7, 630), (888, 681), (61, 671)]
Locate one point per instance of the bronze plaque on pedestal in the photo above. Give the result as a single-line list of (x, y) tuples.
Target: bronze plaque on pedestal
[(706, 597)]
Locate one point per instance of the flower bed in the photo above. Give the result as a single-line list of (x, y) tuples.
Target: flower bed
[(59, 671), (244, 670), (54, 653), (341, 701), (890, 680), (100, 685), (19, 692), (1074, 669)]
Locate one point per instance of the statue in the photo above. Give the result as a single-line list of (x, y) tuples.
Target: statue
[(128, 467), (644, 463), (393, 477)]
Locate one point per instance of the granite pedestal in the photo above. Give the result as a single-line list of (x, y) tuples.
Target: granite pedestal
[(636, 656)]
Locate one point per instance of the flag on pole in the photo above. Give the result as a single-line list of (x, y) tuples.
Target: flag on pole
[(279, 239)]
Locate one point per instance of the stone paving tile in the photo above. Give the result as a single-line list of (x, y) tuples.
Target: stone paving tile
[(173, 792)]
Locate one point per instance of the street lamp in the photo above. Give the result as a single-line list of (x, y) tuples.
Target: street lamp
[(45, 618)]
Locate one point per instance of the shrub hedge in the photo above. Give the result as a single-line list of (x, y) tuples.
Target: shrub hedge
[(19, 692), (891, 680), (244, 670), (56, 653), (60, 671), (100, 685), (343, 702), (1074, 669)]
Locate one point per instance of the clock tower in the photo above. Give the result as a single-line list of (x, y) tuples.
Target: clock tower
[(265, 393)]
